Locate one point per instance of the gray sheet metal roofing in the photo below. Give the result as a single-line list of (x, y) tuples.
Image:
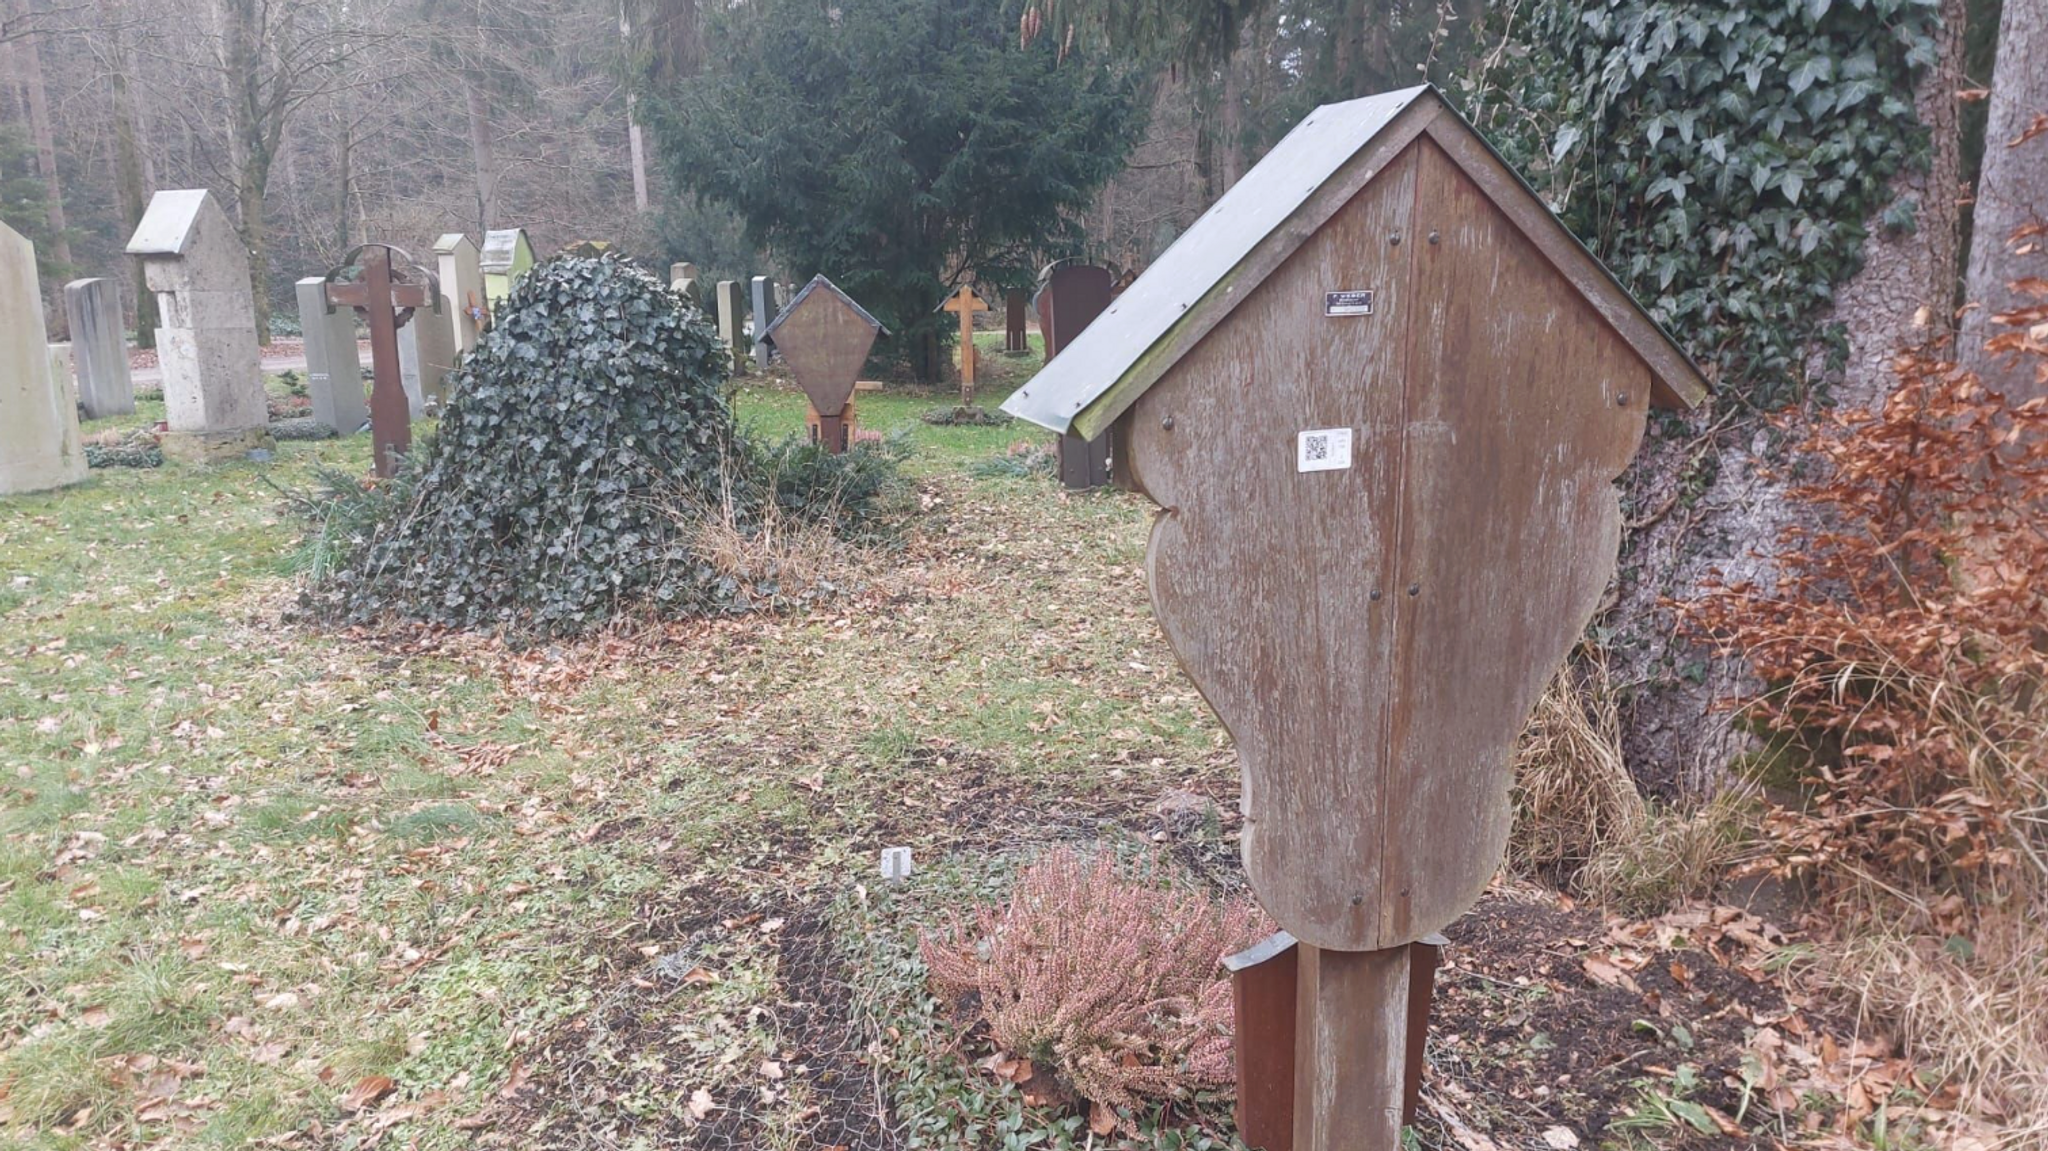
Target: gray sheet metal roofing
[(768, 333), (1258, 203), (1206, 253)]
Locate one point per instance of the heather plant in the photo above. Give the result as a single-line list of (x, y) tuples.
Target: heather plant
[(1104, 976)]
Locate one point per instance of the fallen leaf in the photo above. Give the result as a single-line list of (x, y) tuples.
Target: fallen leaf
[(514, 1079), (1560, 1138), (1606, 974), (701, 1103), (1101, 1120), (95, 1016), (771, 1069), (699, 975), (367, 1090)]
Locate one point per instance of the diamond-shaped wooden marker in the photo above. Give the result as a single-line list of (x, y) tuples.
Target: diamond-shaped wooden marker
[(824, 337)]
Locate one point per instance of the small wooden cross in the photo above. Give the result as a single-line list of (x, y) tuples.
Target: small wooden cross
[(966, 303), (379, 298)]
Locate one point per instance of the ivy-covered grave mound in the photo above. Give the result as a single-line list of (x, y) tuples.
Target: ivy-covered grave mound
[(582, 429)]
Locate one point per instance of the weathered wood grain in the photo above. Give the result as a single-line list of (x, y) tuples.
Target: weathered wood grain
[(1522, 409), (1374, 637), (1351, 1029), (825, 341), (1273, 586)]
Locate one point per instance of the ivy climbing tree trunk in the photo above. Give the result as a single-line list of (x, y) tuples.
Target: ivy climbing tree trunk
[(2012, 192)]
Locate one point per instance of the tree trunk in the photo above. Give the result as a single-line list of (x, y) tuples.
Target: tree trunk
[(2012, 191), (131, 185), (1905, 292), (1674, 736), (483, 148), (344, 162), (28, 56), (635, 146), (1230, 123)]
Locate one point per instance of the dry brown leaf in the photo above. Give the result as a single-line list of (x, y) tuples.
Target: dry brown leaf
[(1560, 1138), (1607, 974), (1101, 1120), (701, 1103), (771, 1069), (514, 1079), (367, 1090)]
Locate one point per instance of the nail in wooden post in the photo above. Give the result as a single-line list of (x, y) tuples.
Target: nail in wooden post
[(1350, 1049)]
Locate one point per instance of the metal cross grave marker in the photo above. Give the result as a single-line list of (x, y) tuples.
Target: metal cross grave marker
[(384, 291)]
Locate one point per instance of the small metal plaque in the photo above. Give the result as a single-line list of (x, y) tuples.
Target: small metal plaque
[(1358, 303), (896, 864), (1322, 450)]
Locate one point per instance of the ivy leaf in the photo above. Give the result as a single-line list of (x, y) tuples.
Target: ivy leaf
[(1815, 9), (1792, 183), (1567, 136), (1809, 71)]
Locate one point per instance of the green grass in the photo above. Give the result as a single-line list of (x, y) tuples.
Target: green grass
[(245, 865)]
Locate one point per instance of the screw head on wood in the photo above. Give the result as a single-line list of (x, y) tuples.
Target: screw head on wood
[(1166, 423), (1433, 237), (1394, 239), (1375, 595), (1414, 589), (1621, 399)]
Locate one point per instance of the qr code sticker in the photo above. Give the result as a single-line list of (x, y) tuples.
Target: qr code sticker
[(1323, 450)]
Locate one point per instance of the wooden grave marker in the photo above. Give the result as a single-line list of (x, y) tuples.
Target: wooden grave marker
[(385, 292), (1070, 297), (964, 303), (1016, 340), (824, 337), (1382, 397)]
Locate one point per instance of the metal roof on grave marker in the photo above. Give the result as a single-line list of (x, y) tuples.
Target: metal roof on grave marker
[(820, 282), (1109, 365)]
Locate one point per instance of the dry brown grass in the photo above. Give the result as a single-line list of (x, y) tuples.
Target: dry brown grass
[(1581, 823), (1572, 795), (771, 557), (1976, 1010)]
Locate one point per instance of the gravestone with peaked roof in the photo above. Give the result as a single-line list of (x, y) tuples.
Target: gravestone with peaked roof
[(39, 444), (195, 263), (460, 268), (506, 255), (334, 362), (825, 338), (100, 346), (1385, 396)]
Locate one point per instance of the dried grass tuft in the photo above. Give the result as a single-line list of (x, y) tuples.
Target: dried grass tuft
[(1572, 793), (1977, 1007), (1580, 822)]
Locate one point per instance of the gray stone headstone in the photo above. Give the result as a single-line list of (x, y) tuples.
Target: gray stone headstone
[(764, 311), (729, 322), (334, 364), (426, 353), (39, 445), (194, 261), (99, 344), (462, 288), (683, 278)]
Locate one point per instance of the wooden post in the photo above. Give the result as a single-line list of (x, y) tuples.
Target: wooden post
[(965, 303), (1350, 1049)]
